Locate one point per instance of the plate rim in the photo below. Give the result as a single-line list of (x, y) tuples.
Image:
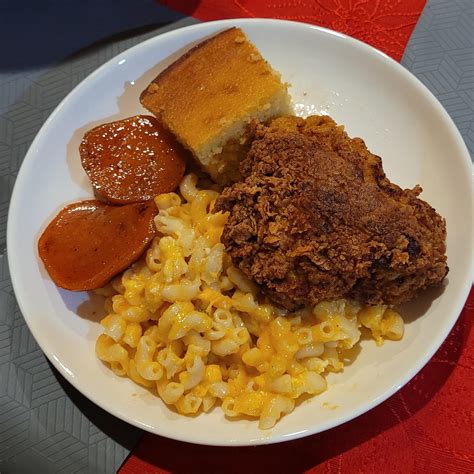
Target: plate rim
[(462, 291)]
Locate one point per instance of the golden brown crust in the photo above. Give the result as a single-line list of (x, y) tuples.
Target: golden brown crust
[(316, 219), (163, 74), (214, 85)]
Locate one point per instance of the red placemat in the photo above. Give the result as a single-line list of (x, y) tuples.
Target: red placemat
[(426, 427), (384, 24)]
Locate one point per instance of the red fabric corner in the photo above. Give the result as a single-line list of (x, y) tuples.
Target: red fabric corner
[(384, 24), (426, 427)]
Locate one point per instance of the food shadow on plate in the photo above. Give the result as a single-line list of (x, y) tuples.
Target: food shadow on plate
[(128, 104), (350, 355), (319, 450), (420, 306), (92, 308), (87, 305)]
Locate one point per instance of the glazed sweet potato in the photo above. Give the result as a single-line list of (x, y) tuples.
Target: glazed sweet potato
[(89, 242), (132, 160)]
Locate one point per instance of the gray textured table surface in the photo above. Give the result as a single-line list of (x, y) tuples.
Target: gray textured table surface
[(45, 424)]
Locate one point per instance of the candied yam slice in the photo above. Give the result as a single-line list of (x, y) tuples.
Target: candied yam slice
[(89, 242), (132, 160)]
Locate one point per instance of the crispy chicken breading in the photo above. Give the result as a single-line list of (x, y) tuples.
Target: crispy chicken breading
[(315, 218)]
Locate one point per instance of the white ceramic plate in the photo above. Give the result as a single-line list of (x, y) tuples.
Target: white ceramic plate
[(360, 87)]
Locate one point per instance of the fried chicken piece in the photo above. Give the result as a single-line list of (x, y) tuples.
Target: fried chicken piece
[(315, 219)]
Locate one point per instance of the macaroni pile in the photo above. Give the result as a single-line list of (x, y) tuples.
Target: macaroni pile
[(187, 323)]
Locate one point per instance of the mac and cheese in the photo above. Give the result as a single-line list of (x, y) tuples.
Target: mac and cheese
[(185, 322)]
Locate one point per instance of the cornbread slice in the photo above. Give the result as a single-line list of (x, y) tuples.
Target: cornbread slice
[(208, 96)]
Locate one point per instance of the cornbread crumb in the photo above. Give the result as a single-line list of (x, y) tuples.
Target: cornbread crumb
[(253, 58)]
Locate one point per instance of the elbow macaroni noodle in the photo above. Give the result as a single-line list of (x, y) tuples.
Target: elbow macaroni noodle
[(184, 321)]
